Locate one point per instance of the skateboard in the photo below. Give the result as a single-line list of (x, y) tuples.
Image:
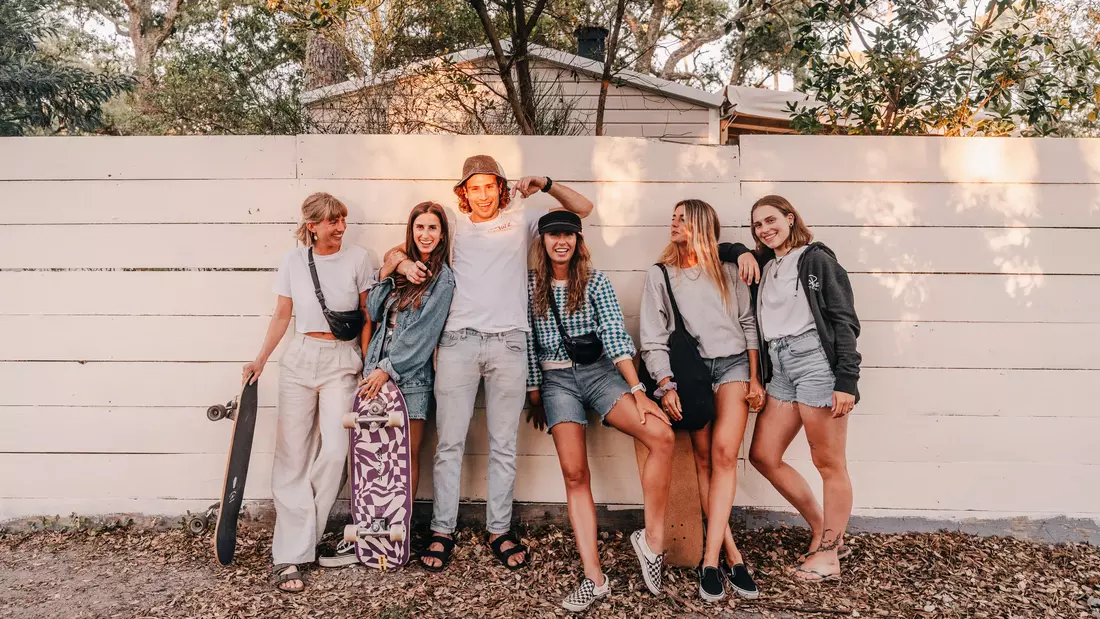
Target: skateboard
[(684, 514), (225, 513), (381, 504)]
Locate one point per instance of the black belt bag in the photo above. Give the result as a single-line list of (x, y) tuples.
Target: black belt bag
[(582, 349), (345, 326)]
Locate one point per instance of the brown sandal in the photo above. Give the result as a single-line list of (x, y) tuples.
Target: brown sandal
[(280, 576)]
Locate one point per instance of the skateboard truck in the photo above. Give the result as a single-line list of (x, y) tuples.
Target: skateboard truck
[(375, 414), (378, 527), (219, 411), (198, 523)]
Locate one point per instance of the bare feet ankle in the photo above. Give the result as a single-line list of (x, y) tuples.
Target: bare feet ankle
[(657, 546)]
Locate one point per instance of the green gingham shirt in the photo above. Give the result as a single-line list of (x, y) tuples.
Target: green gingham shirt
[(600, 313)]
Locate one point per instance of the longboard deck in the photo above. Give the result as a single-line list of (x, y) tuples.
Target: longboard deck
[(236, 472), (684, 514), (380, 479)]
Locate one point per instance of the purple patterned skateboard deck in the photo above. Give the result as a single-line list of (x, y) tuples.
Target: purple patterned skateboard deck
[(381, 505)]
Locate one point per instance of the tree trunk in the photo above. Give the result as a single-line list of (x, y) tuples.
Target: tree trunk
[(651, 34), (612, 48), (325, 62), (523, 67)]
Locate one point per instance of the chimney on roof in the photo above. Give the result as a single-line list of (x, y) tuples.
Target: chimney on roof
[(591, 42)]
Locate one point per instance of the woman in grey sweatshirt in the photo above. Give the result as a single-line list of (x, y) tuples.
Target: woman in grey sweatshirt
[(716, 308)]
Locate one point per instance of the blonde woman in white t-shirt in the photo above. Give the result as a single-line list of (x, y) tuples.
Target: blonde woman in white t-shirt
[(317, 381)]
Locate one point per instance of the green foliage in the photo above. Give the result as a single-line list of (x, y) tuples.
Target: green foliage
[(937, 67), (39, 91)]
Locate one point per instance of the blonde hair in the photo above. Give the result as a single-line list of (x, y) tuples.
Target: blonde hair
[(702, 222), (800, 234), (316, 208)]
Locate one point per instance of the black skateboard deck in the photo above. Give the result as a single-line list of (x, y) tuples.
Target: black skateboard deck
[(236, 471)]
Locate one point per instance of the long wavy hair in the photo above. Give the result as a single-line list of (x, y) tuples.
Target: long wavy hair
[(505, 196), (580, 270), (800, 234), (409, 294), (703, 229)]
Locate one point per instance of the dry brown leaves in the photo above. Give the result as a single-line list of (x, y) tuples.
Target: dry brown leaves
[(132, 573)]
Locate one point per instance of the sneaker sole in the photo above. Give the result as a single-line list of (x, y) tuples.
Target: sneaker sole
[(642, 562), (581, 609), (711, 598), (338, 561), (742, 593)]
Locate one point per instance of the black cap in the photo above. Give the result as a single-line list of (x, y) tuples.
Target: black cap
[(559, 221)]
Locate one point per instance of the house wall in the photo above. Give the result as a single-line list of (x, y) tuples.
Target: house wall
[(137, 275), (439, 102)]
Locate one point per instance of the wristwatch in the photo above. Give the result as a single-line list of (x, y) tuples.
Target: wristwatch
[(660, 392), (549, 184), (637, 388)]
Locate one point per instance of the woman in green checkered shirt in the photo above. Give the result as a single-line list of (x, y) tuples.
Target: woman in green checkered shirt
[(590, 368)]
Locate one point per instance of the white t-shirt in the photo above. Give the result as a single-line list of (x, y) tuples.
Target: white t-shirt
[(489, 260), (784, 307), (343, 276)]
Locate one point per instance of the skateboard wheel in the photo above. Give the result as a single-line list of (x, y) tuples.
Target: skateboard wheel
[(216, 412), (196, 525), (350, 420), (351, 533), (397, 533), (396, 420)]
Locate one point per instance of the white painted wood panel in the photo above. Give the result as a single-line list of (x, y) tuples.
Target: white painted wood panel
[(919, 159), (694, 116), (565, 158), (368, 201), (621, 101), (933, 204), (144, 157), (965, 486), (614, 248)]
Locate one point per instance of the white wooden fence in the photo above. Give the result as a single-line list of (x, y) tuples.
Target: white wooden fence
[(136, 277)]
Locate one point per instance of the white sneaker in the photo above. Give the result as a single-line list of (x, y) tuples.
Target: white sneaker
[(652, 563), (585, 594), (344, 555)]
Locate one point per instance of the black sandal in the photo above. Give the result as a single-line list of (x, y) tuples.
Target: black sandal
[(504, 555), (443, 556), (278, 577)]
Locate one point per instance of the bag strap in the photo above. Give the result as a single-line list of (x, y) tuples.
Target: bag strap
[(672, 299), (557, 317), (316, 281)]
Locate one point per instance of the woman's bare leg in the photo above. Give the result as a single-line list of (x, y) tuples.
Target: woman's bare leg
[(828, 439), (573, 457), (416, 436), (732, 413), (660, 440), (701, 446)]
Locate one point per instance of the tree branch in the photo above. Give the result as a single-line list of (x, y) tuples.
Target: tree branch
[(605, 80), (503, 66)]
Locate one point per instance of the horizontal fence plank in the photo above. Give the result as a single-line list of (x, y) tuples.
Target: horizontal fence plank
[(562, 158), (236, 338), (919, 159), (922, 204), (871, 437), (145, 157), (972, 486), (879, 297), (368, 201), (613, 248)]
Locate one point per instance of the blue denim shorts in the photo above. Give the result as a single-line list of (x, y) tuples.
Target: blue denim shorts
[(801, 371), (419, 404), (731, 369), (566, 393)]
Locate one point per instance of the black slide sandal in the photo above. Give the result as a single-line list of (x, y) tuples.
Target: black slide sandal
[(504, 555), (443, 556)]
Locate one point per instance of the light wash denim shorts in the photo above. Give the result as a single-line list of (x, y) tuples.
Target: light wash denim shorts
[(801, 371), (567, 392), (731, 369)]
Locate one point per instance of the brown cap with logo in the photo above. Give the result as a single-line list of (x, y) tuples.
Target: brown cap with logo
[(480, 164)]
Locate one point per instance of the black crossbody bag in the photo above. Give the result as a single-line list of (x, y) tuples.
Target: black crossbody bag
[(345, 326), (689, 372), (582, 349)]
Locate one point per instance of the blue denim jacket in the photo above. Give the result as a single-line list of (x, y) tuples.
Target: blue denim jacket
[(415, 334)]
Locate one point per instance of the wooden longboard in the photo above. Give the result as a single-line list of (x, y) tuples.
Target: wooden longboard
[(381, 479), (236, 471), (684, 515)]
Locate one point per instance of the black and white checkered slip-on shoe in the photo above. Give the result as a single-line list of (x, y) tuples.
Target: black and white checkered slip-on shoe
[(344, 555), (586, 594), (652, 564)]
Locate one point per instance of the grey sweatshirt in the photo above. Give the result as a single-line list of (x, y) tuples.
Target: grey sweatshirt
[(720, 332)]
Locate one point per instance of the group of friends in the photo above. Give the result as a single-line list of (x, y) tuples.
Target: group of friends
[(455, 306)]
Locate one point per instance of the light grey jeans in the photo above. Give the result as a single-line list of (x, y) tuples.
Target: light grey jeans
[(465, 357)]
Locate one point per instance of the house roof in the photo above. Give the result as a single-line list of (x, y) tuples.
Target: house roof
[(763, 103), (566, 60)]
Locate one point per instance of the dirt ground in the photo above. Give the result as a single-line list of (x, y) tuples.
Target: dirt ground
[(126, 572)]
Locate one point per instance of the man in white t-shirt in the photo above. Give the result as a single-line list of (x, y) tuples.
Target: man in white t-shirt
[(484, 338)]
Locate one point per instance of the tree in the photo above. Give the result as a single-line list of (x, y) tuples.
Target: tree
[(936, 68), (38, 91)]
